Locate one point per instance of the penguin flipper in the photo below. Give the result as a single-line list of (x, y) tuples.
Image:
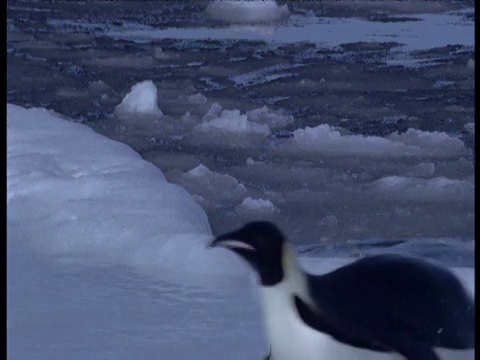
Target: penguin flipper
[(311, 318), (411, 350), (400, 344), (420, 353)]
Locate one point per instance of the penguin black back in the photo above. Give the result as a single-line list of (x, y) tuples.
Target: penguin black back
[(418, 297), (384, 303)]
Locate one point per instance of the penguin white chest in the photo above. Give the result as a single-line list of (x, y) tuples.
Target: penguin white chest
[(290, 338)]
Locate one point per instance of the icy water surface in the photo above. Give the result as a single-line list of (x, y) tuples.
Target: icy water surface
[(370, 71), (421, 30)]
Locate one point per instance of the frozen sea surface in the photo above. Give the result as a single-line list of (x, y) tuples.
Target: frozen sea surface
[(96, 274)]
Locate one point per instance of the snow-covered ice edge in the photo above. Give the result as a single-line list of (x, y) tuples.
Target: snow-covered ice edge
[(73, 192)]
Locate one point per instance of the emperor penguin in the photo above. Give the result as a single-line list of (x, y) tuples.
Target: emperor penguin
[(380, 307)]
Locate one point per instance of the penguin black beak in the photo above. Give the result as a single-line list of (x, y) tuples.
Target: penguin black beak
[(232, 241)]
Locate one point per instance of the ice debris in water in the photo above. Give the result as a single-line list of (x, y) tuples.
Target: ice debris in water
[(470, 127), (197, 99), (160, 55), (324, 138), (423, 169), (247, 12), (212, 113), (141, 100), (231, 121), (329, 221), (437, 189), (432, 141), (256, 206), (260, 121), (274, 119), (471, 64), (211, 188), (188, 119)]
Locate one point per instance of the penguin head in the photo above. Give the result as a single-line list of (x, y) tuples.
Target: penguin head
[(262, 245)]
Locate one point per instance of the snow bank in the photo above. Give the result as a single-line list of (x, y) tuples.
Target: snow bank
[(414, 189), (326, 139), (140, 101), (75, 193), (212, 189), (247, 12)]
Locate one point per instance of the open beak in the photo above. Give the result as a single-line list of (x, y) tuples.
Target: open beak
[(231, 241)]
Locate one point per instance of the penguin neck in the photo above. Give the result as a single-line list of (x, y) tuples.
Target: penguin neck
[(281, 322), (294, 279)]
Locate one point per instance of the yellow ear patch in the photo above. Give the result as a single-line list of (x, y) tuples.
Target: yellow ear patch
[(287, 256)]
